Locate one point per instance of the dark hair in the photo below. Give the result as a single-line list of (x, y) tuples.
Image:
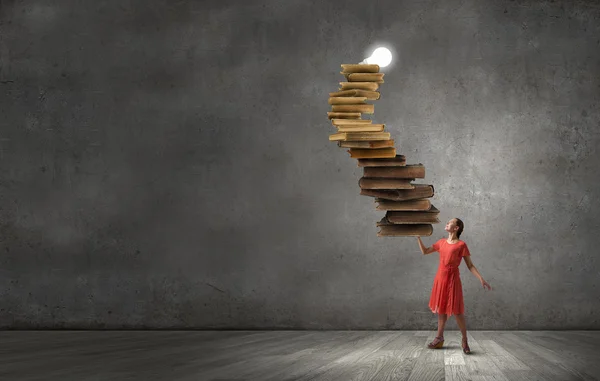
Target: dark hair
[(461, 226)]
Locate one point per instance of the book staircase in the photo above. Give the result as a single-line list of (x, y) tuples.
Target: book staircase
[(386, 176)]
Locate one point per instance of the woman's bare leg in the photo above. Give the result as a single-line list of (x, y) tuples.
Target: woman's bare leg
[(462, 324), (442, 318), (460, 319)]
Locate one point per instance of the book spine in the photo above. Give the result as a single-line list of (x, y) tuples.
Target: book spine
[(405, 172)]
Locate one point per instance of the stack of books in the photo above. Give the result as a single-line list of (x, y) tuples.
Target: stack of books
[(386, 176)]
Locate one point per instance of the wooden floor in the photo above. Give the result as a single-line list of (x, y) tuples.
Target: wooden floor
[(297, 355)]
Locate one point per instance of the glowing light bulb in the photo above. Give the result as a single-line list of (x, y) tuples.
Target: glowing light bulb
[(380, 56)]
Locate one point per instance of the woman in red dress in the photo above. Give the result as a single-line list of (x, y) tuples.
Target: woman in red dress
[(446, 296)]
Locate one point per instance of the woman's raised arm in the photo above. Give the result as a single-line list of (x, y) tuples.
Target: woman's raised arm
[(425, 250)]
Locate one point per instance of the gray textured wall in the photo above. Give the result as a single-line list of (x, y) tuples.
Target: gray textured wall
[(167, 164)]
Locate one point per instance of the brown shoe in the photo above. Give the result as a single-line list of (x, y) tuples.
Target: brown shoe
[(465, 346), (437, 343)]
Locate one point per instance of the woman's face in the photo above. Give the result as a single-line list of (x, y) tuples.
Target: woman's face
[(450, 225)]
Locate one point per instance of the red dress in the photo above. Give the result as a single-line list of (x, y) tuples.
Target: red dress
[(446, 295)]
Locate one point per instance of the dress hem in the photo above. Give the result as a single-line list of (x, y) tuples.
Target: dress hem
[(447, 313)]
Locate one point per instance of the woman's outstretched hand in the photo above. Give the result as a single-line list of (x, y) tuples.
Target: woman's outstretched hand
[(484, 284)]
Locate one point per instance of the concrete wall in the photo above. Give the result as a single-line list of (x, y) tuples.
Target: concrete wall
[(167, 164)]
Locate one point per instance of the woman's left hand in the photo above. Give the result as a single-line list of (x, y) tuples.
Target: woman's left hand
[(484, 284)]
